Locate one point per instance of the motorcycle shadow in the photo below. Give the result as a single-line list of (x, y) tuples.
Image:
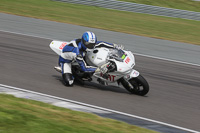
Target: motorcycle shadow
[(97, 86), (94, 85)]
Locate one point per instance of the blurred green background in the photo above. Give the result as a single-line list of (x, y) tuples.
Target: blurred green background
[(167, 28)]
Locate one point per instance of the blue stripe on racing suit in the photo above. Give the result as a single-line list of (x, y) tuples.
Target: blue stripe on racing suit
[(70, 48), (83, 65)]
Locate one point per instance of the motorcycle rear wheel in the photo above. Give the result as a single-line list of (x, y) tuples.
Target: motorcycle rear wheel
[(140, 86)]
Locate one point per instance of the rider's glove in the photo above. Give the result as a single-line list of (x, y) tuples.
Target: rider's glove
[(118, 46), (103, 69)]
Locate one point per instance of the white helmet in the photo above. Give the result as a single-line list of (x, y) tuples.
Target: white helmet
[(88, 40)]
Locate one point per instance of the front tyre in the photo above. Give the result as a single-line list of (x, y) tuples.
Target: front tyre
[(139, 84)]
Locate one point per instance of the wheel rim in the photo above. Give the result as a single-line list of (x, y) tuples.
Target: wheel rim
[(137, 87)]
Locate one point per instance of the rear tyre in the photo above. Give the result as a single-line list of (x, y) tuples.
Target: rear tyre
[(140, 85)]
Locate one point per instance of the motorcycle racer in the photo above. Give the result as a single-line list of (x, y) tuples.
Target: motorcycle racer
[(74, 51), (110, 60)]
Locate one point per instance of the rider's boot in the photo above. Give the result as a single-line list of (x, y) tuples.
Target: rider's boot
[(68, 79)]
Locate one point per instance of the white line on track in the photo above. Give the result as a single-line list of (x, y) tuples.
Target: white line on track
[(100, 108), (160, 58), (149, 56)]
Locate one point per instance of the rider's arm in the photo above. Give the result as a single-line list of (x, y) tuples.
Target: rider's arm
[(104, 44), (83, 64), (108, 45)]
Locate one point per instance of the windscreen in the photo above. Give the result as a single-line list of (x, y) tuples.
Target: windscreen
[(119, 55)]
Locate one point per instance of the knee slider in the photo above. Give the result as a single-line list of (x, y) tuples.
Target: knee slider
[(68, 79)]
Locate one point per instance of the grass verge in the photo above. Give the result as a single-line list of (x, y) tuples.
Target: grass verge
[(22, 116), (180, 30)]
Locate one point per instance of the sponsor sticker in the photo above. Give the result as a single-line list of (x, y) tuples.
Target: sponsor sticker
[(123, 56), (110, 77), (62, 45), (127, 60)]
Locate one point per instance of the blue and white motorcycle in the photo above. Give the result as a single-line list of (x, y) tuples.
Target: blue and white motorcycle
[(122, 73)]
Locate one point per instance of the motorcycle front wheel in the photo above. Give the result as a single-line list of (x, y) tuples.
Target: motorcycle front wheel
[(140, 85)]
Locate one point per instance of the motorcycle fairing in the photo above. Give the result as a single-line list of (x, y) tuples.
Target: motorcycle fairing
[(134, 74)]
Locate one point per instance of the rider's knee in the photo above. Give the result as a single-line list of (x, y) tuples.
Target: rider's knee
[(68, 79)]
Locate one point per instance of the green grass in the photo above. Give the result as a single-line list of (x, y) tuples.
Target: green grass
[(133, 23), (178, 4), (27, 116)]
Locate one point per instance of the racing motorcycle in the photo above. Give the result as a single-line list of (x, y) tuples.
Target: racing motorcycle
[(119, 64)]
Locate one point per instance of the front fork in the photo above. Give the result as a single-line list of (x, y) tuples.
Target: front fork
[(125, 80), (125, 83)]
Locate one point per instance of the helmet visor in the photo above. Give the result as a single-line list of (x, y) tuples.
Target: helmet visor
[(89, 45)]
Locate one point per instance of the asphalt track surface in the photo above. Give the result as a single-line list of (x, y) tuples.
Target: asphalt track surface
[(61, 31), (27, 62)]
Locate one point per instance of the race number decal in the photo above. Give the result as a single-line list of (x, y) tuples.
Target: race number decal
[(110, 77), (127, 60), (62, 45)]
